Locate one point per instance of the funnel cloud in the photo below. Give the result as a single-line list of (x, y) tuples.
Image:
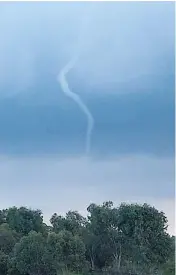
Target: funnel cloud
[(65, 88), (64, 84)]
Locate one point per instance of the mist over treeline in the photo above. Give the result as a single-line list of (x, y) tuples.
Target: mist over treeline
[(128, 239)]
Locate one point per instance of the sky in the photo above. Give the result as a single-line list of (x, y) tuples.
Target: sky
[(125, 76)]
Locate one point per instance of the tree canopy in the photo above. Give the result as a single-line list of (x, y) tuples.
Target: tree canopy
[(128, 239)]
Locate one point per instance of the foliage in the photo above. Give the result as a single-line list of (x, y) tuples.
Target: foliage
[(28, 254), (24, 220), (129, 239), (3, 263)]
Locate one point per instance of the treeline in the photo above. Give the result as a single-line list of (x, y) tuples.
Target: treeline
[(129, 239)]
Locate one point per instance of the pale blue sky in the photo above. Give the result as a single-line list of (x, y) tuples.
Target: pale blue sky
[(125, 75)]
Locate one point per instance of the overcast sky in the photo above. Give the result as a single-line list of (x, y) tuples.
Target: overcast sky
[(125, 75)]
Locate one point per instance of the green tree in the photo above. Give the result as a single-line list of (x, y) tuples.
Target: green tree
[(65, 252), (53, 254), (104, 238), (28, 256), (2, 216), (8, 238), (169, 266), (72, 251), (73, 222), (3, 263), (144, 230), (24, 220), (128, 239)]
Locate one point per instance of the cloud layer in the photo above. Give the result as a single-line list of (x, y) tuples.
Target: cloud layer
[(42, 37), (46, 122)]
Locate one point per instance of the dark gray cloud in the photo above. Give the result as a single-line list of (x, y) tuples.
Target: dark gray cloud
[(140, 119)]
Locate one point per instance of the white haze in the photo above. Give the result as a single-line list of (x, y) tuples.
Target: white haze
[(56, 185)]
